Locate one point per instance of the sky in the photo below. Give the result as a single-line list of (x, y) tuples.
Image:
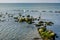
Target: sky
[(29, 1)]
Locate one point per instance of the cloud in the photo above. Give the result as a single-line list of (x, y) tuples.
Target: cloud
[(29, 1)]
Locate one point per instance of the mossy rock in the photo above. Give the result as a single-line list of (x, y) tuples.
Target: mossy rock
[(37, 25), (40, 30), (28, 20), (49, 31), (47, 34), (21, 19), (52, 34), (43, 34), (28, 15), (49, 23), (41, 22), (44, 28)]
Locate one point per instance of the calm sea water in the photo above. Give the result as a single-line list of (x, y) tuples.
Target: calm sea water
[(10, 30)]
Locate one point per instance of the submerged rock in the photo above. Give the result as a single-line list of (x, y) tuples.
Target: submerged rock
[(15, 17), (37, 39), (10, 15), (49, 23), (16, 20), (0, 15), (43, 11), (2, 20)]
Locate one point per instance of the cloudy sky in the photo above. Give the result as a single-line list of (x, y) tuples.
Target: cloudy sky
[(29, 1)]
